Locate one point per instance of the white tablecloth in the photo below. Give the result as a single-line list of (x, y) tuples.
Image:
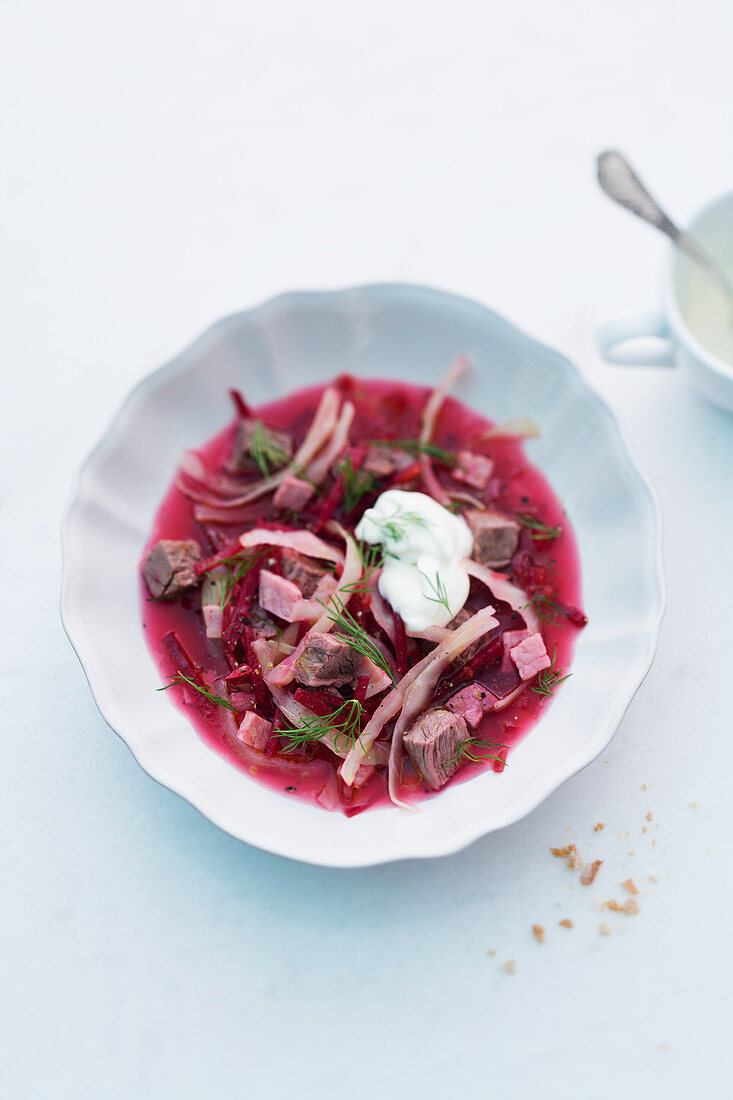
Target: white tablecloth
[(164, 164)]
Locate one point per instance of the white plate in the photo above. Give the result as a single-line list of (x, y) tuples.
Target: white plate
[(401, 332)]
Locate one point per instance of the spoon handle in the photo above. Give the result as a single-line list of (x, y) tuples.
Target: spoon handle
[(620, 182)]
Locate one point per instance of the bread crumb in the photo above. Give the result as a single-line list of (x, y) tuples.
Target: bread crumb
[(631, 852), (629, 886), (613, 905), (650, 816), (643, 786), (663, 1046), (570, 854), (631, 906), (653, 878), (509, 966), (566, 922), (693, 805), (604, 929), (644, 829), (590, 871), (597, 828), (539, 933)]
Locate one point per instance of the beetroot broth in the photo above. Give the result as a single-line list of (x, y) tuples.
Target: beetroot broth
[(384, 410)]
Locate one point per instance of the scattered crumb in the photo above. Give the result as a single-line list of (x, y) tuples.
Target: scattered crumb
[(628, 885), (693, 805), (631, 852), (628, 832), (597, 828), (653, 878), (644, 828), (570, 854), (490, 952), (663, 1046), (509, 966), (654, 842), (643, 786), (566, 922), (630, 906), (604, 929), (590, 871), (539, 933), (650, 816)]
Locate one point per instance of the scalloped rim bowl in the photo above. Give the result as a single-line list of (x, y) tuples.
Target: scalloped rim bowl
[(389, 331)]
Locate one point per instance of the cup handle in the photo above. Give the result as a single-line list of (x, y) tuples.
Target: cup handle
[(614, 337)]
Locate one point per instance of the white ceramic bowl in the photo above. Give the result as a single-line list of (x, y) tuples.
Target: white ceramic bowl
[(403, 332)]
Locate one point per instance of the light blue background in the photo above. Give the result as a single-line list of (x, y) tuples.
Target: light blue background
[(166, 164)]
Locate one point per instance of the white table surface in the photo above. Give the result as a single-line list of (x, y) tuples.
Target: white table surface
[(164, 164)]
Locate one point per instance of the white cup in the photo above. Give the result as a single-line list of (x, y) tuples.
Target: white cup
[(682, 328)]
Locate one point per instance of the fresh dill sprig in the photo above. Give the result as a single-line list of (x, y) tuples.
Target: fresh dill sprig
[(234, 568), (539, 531), (547, 609), (438, 587), (395, 527), (419, 446), (265, 450), (474, 751), (181, 678), (549, 678), (356, 483), (349, 631), (343, 722)]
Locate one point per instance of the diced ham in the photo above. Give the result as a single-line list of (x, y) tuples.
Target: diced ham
[(495, 537), (510, 639), (293, 493), (304, 572), (168, 567), (279, 596), (326, 661), (470, 703), (212, 619), (241, 459), (433, 744), (530, 656), (254, 730), (473, 469)]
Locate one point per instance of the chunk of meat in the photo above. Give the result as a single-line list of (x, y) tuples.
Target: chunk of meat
[(254, 730), (168, 567), (530, 656), (260, 622), (302, 571), (278, 595), (473, 469), (384, 461), (470, 703), (326, 661), (495, 537), (433, 745), (280, 451), (293, 493)]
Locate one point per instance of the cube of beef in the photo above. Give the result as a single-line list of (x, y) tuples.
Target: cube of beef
[(382, 462), (279, 451), (304, 572), (495, 537), (433, 744), (326, 661), (168, 567)]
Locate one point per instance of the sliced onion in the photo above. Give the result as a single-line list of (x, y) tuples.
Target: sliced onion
[(320, 466), (379, 607), (518, 428), (303, 542), (428, 421), (351, 575), (504, 590)]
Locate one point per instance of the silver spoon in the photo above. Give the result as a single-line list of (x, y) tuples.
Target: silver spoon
[(620, 183)]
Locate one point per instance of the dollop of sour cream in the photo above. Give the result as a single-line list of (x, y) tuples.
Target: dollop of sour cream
[(424, 544)]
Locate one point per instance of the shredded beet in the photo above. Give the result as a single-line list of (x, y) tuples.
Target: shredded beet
[(242, 408)]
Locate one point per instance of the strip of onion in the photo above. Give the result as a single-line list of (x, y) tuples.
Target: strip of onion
[(320, 466), (520, 427), (503, 589), (467, 498), (443, 654), (299, 715), (303, 542), (431, 633), (379, 607), (322, 426), (353, 568), (428, 421)]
